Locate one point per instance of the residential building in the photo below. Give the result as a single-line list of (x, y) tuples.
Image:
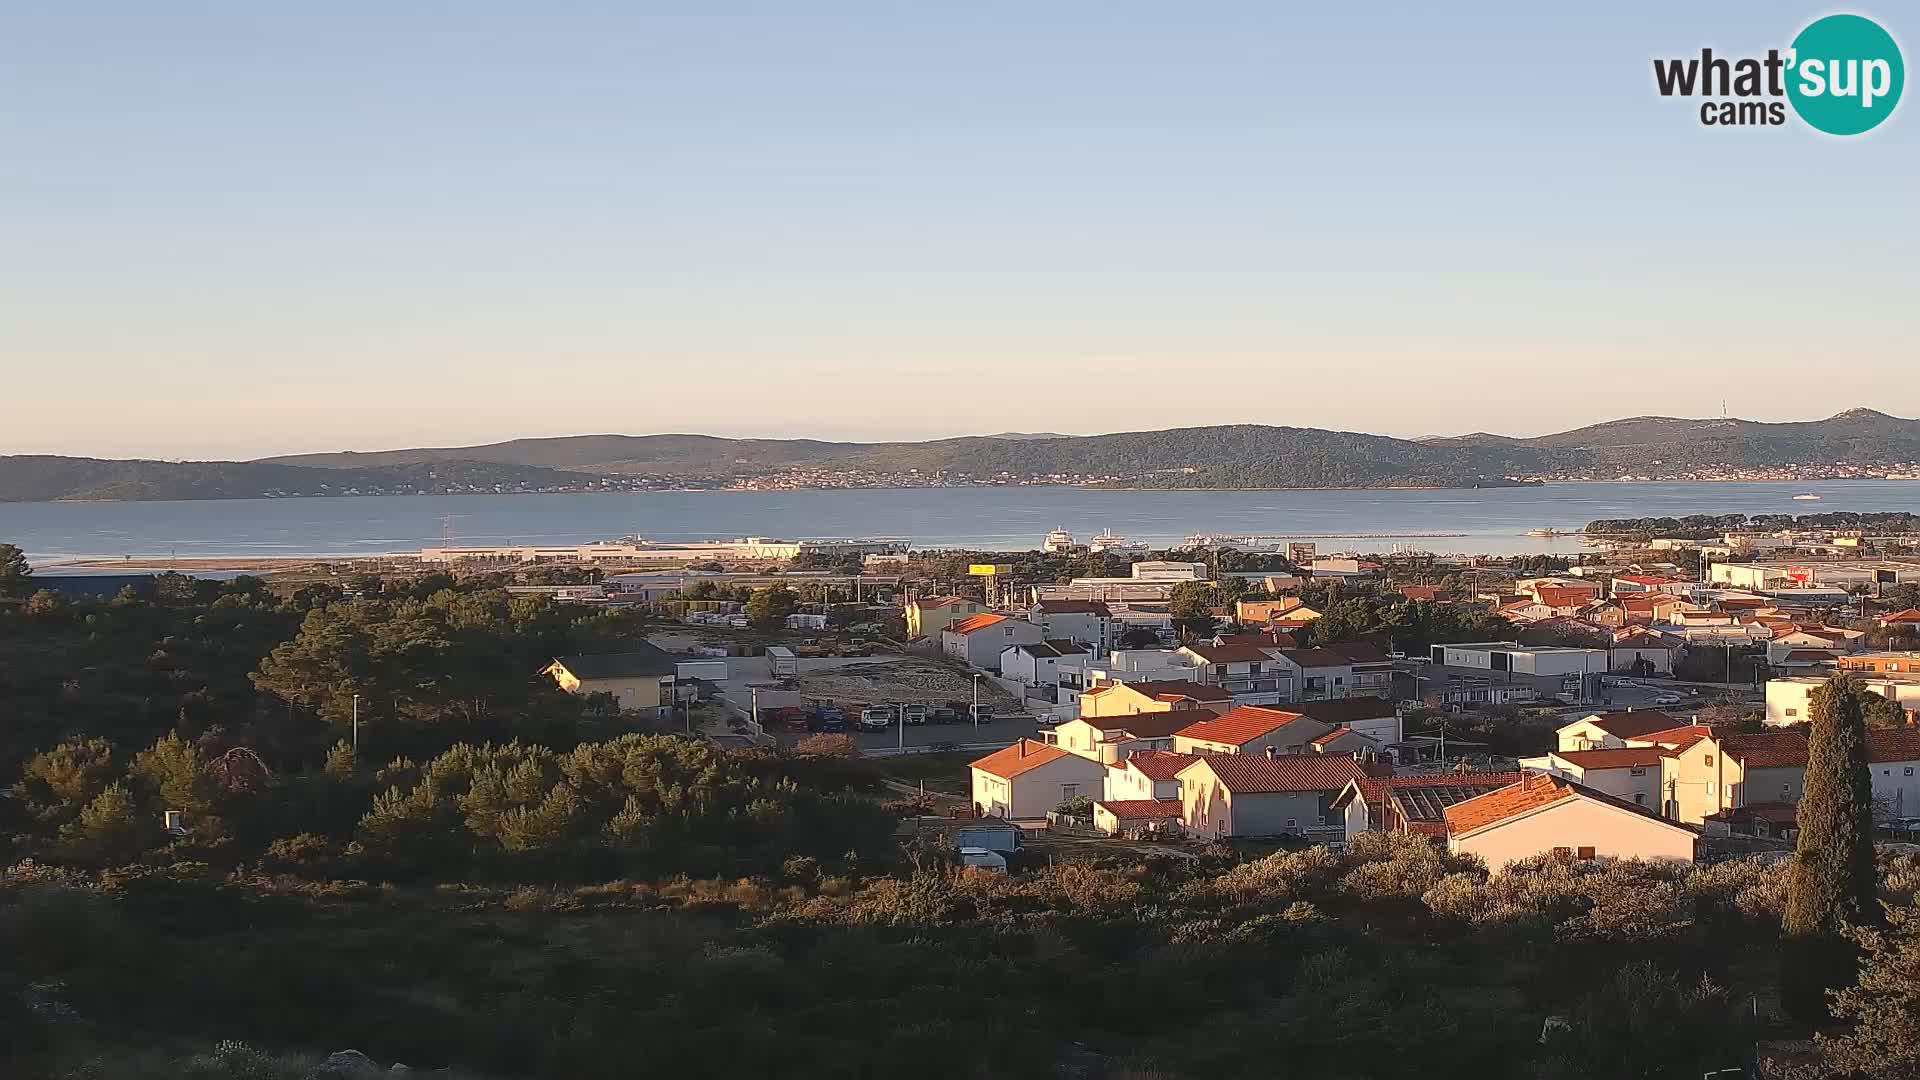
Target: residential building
[(1642, 650), (1086, 622), (1904, 662), (1345, 740), (1576, 672), (1370, 671), (1146, 775), (929, 615), (641, 679), (1641, 583), (1323, 673), (1261, 612), (1028, 779), (1114, 739), (1790, 699), (978, 640), (1226, 795), (1251, 729), (1907, 619), (1719, 773), (1546, 814), (1375, 717), (1613, 730), (1252, 674), (1126, 818), (1037, 664), (1127, 698), (1411, 804), (1631, 773)]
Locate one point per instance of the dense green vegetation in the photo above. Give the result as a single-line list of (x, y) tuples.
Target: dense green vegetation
[(1833, 885), (44, 478), (508, 881), (1712, 526)]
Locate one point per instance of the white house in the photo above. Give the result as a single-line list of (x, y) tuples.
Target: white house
[(978, 640), (1790, 700), (1086, 622), (1630, 773), (1374, 717), (1148, 774), (1226, 795), (1547, 814), (1028, 779), (1611, 730), (1037, 664), (1114, 739)]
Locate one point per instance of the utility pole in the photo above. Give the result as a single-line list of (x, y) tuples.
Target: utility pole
[(976, 704)]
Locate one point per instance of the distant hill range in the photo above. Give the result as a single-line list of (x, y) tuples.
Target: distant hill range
[(1231, 456)]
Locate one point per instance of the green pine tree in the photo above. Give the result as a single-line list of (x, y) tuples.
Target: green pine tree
[(1833, 882)]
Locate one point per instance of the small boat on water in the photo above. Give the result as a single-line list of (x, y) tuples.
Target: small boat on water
[(1057, 542), (1546, 532), (1806, 498)]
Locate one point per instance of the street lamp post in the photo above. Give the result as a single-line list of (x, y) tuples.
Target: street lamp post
[(976, 704)]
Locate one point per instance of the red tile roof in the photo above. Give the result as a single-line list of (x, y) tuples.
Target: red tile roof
[(1169, 690), (1675, 738), (1334, 736), (1141, 809), (1239, 726), (938, 601), (1893, 744), (1421, 592), (975, 622), (1767, 749), (1023, 756), (1158, 764), (1638, 757), (1257, 774), (1533, 793), (1645, 579), (1907, 615), (1420, 802), (1628, 725)]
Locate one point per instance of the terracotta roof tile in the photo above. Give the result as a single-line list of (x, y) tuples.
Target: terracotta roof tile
[(1767, 749), (1638, 757), (1229, 654), (1257, 774), (1533, 793), (1675, 738), (1315, 658), (1893, 744), (1628, 725), (975, 622), (1240, 726), (1152, 725), (1158, 764), (1141, 809), (1023, 756)]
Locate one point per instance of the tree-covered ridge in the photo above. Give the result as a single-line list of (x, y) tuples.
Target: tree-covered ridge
[(1709, 526), (1219, 456)]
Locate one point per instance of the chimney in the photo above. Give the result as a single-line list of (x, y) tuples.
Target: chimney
[(1272, 752), (1023, 747)]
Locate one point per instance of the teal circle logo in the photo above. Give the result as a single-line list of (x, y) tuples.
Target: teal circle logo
[(1845, 75)]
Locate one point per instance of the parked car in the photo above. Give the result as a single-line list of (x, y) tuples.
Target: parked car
[(913, 714), (1045, 719), (876, 718), (1668, 699)]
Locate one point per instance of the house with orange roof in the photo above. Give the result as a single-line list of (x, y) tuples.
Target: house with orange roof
[(1600, 731), (928, 615), (1902, 662), (1644, 651), (978, 640), (1147, 774), (1906, 619), (1545, 814), (1114, 739), (1028, 779), (1415, 805), (1632, 773), (1226, 795), (1151, 695), (1135, 817), (1251, 729)]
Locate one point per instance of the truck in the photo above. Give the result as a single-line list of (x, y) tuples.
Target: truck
[(782, 661)]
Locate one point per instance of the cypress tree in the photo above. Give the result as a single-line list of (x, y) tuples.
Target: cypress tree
[(1834, 880)]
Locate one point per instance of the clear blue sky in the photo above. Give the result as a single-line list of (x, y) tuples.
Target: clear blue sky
[(235, 228)]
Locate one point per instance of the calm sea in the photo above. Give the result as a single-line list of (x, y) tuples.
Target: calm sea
[(1493, 521)]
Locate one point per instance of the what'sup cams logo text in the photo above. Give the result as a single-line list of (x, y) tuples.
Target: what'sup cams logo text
[(1842, 75)]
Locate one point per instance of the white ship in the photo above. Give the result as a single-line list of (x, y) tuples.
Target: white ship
[(1108, 540), (1806, 498), (1057, 542)]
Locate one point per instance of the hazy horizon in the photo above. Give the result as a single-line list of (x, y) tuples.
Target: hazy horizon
[(236, 232)]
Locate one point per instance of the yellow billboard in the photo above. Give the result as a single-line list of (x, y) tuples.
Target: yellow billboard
[(981, 569)]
